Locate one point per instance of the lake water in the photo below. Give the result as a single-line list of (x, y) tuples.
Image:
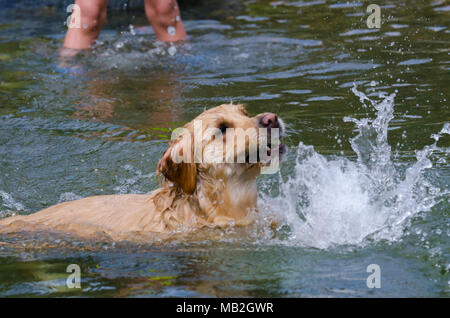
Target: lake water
[(366, 179)]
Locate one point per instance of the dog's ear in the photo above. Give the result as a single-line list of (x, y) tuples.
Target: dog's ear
[(177, 164), (241, 108)]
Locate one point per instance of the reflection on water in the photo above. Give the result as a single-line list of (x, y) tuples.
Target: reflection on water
[(361, 185), (95, 104)]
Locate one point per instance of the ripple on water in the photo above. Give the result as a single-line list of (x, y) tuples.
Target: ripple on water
[(301, 4), (442, 9), (415, 61), (436, 28), (358, 32), (344, 5)]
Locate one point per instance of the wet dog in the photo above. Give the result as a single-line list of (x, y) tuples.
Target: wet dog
[(209, 181)]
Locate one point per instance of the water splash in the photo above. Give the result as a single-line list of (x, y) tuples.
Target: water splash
[(9, 206), (329, 202), (171, 30), (132, 30), (130, 184), (68, 196), (172, 50)]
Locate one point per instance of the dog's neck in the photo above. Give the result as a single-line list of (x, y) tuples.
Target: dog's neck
[(224, 195), (227, 193)]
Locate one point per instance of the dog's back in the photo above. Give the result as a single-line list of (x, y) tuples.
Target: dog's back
[(113, 215)]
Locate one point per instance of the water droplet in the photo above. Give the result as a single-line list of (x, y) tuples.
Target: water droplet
[(85, 25), (172, 50), (171, 30), (132, 31), (177, 18)]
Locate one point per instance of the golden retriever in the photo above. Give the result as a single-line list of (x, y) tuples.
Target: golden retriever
[(211, 192)]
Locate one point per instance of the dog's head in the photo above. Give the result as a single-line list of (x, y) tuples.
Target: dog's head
[(224, 141)]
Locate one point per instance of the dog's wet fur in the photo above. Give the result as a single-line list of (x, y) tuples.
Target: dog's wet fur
[(192, 195)]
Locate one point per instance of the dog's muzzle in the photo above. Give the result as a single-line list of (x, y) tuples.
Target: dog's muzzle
[(271, 121)]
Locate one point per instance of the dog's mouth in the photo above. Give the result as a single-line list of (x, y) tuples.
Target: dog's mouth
[(280, 148), (271, 151), (269, 147), (276, 149), (265, 155)]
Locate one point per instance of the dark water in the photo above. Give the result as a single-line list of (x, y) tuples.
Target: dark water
[(98, 123)]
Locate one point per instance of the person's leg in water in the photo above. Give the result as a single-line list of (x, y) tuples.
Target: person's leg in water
[(164, 16), (93, 16)]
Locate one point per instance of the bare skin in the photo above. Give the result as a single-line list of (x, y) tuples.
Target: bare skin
[(163, 15)]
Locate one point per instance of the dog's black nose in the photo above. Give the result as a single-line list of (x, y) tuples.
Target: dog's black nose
[(269, 121)]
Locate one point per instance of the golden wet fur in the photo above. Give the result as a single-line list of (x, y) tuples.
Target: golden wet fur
[(192, 196)]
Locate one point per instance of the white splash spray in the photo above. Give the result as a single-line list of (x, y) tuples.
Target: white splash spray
[(171, 30), (329, 202), (9, 206)]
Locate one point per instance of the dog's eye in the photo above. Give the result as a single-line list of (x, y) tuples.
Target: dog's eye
[(223, 128)]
